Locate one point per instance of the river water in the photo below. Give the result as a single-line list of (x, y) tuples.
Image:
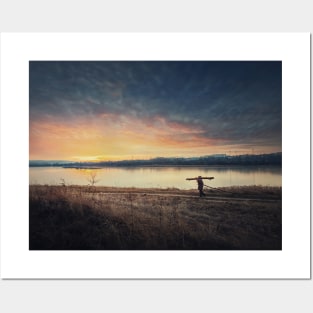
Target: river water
[(159, 177)]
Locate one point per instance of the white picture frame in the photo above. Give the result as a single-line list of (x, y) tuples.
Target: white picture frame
[(292, 262)]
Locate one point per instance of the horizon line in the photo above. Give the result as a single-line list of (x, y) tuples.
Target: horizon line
[(157, 157)]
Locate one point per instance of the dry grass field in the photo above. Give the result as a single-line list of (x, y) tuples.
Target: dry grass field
[(104, 218)]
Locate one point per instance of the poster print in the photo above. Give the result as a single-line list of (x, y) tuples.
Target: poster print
[(155, 155), (57, 109)]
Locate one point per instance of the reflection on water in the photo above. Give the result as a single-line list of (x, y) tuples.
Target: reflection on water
[(159, 177)]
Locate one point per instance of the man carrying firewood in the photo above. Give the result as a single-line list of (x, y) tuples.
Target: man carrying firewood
[(200, 183), (200, 186)]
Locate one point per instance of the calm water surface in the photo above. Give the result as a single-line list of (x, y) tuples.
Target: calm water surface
[(159, 177)]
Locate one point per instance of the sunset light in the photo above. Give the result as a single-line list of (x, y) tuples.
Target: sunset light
[(91, 111)]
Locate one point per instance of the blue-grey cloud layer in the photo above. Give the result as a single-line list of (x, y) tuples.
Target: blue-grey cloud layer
[(237, 102)]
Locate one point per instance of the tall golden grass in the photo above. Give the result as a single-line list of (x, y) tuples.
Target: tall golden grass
[(102, 218)]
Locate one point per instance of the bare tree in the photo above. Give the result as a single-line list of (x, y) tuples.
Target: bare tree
[(92, 178)]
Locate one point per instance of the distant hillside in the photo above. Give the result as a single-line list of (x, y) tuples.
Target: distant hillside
[(219, 159), (48, 162)]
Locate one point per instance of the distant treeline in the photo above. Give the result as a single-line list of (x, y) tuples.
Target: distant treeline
[(246, 159)]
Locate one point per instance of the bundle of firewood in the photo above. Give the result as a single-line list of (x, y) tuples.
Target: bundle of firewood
[(199, 177)]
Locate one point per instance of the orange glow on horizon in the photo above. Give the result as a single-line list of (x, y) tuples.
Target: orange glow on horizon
[(117, 137)]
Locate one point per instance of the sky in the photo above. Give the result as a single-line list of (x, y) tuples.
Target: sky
[(117, 110)]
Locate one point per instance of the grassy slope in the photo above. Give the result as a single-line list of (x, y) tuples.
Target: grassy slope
[(99, 218)]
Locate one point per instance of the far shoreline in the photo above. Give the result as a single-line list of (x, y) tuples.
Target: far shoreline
[(161, 166)]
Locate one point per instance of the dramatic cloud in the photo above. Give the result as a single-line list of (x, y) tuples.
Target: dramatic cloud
[(175, 107)]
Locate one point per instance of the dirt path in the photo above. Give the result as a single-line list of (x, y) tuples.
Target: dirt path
[(215, 198)]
